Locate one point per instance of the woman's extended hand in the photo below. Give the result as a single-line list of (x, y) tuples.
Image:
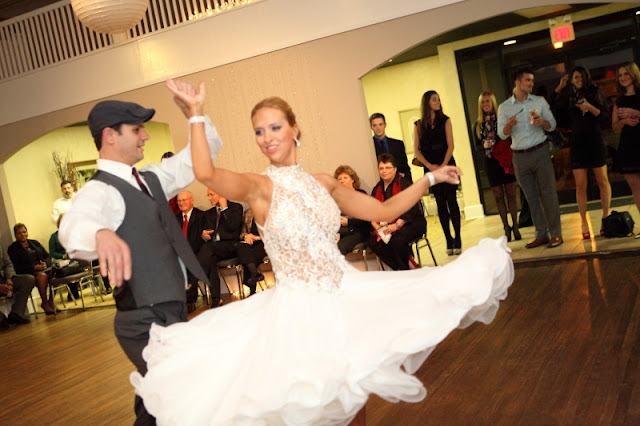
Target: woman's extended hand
[(448, 174), (187, 96), (250, 238), (583, 105)]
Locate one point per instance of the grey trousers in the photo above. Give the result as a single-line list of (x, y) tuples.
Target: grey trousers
[(534, 171), (132, 330), (22, 286)]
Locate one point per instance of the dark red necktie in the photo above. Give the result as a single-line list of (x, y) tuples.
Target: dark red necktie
[(185, 224), (143, 187)]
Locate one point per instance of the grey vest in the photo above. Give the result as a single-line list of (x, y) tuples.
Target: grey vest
[(156, 242)]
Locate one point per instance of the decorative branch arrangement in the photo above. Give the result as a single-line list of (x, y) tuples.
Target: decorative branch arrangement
[(62, 169)]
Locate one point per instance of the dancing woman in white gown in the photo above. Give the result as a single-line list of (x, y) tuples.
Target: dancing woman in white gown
[(313, 348)]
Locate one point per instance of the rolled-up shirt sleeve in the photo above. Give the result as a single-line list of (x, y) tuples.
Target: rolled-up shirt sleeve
[(502, 121), (546, 114), (96, 206)]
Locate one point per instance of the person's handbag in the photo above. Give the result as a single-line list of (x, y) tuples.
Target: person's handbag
[(63, 269), (417, 162), (617, 224)]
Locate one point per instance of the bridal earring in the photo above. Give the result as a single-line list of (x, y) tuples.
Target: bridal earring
[(297, 142)]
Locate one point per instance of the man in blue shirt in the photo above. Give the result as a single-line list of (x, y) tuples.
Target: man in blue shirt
[(525, 117)]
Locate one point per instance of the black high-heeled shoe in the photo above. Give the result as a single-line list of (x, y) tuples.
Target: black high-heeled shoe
[(516, 233), (507, 233)]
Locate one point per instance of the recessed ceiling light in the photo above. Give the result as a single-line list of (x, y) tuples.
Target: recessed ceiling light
[(508, 42)]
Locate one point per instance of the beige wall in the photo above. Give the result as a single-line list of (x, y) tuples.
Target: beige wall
[(320, 78)]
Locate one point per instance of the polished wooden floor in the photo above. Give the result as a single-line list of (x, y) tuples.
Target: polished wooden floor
[(563, 349)]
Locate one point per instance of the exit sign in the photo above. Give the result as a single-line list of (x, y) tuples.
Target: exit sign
[(562, 34)]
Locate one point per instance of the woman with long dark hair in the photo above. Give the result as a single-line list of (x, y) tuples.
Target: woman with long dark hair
[(625, 118), (497, 162), (587, 108), (433, 145)]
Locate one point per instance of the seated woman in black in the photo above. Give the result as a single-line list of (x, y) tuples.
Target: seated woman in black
[(251, 252), (352, 231), (29, 257)]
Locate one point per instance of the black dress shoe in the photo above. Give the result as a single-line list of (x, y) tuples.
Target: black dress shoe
[(108, 290), (215, 303), (191, 307), (17, 319)]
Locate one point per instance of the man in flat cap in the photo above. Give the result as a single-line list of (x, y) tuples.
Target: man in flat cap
[(122, 218)]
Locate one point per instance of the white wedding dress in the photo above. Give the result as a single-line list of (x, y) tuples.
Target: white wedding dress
[(311, 350)]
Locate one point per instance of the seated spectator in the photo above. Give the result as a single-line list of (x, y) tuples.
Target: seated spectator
[(352, 231), (190, 219), (56, 249), (251, 252), (58, 252), (408, 227), (221, 232), (29, 257), (17, 287)]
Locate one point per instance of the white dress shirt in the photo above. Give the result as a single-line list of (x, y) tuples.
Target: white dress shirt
[(100, 206), (60, 206)]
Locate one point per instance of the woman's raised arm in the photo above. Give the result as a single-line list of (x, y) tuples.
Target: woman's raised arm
[(231, 185)]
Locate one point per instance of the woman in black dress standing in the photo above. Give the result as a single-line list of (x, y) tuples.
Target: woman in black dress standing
[(433, 145), (625, 117), (497, 162), (587, 108)]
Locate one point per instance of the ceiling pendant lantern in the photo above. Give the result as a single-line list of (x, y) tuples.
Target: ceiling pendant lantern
[(110, 16)]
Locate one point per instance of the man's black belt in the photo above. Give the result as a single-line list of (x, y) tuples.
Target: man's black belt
[(533, 148)]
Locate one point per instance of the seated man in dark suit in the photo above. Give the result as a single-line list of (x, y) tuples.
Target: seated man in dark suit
[(16, 287), (221, 233), (408, 227), (387, 145), (191, 222)]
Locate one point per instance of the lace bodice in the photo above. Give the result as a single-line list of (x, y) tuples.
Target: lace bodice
[(299, 232)]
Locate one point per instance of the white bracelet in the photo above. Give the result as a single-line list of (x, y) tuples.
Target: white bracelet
[(432, 180), (196, 119)]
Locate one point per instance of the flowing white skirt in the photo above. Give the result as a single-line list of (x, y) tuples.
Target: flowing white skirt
[(303, 357)]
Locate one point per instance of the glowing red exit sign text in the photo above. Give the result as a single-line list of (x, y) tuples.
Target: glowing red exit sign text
[(562, 34)]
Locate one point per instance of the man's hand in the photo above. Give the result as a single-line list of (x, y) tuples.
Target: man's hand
[(6, 288), (536, 120), (114, 256), (344, 221), (206, 234)]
